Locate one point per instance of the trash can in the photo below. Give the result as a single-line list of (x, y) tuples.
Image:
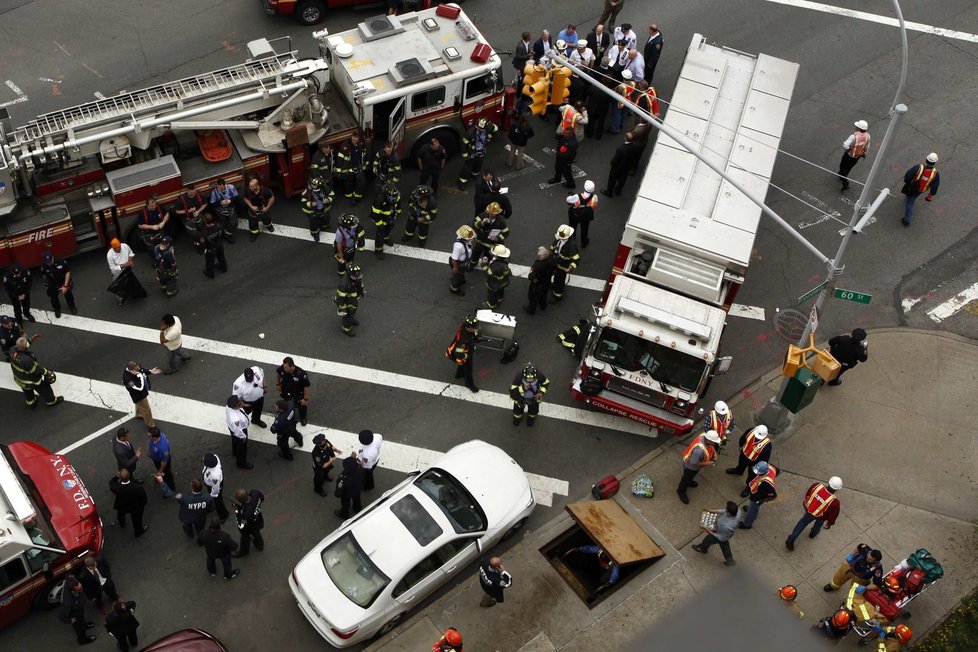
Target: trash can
[(801, 390)]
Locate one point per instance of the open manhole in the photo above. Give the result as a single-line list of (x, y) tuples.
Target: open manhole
[(790, 324)]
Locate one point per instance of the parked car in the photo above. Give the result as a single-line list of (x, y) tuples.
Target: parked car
[(310, 12), (362, 579), (186, 640)]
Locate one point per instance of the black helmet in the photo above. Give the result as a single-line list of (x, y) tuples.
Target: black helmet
[(471, 321), (349, 219), (529, 372), (390, 189), (354, 270), (316, 182), (424, 190)]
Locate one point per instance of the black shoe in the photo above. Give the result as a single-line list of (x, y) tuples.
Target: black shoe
[(208, 274), (238, 553), (58, 314), (349, 333), (58, 400), (252, 236), (322, 493), (745, 493), (315, 237), (405, 238), (30, 317), (569, 185), (554, 180), (729, 562), (698, 548), (379, 253), (88, 639), (828, 587), (835, 383), (270, 228), (516, 421), (286, 457), (694, 483), (475, 390), (234, 573), (143, 531), (355, 322), (733, 471), (683, 497), (260, 423), (789, 543), (89, 625), (303, 422), (744, 527), (328, 479), (905, 223), (812, 535), (529, 422), (247, 466), (585, 244), (606, 193), (74, 310), (338, 513), (460, 292)]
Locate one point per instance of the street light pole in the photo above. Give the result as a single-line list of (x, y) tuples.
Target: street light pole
[(774, 415)]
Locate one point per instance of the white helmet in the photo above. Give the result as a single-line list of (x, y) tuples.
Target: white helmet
[(500, 251), (721, 408), (861, 124), (932, 157), (582, 43), (561, 44), (588, 186), (760, 431), (711, 435), (627, 75), (835, 483), (564, 232)]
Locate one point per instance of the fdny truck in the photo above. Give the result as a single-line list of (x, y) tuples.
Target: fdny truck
[(72, 180), (49, 527), (654, 340)]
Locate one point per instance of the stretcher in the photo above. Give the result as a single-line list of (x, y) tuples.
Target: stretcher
[(866, 630)]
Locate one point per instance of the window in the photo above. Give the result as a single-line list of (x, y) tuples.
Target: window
[(416, 519), (480, 85), (449, 551), (428, 565), (12, 572), (625, 351), (352, 571), (427, 99), (462, 510)]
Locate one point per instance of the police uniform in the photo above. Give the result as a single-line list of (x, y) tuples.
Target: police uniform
[(385, 210), (349, 239), (349, 164), (348, 296), (527, 392), (317, 203), (250, 388), (422, 210), (165, 264), (565, 255), (284, 429), (387, 167), (293, 387), (498, 275), (17, 283), (33, 378), (57, 279), (475, 144), (10, 331), (322, 456), (250, 522)]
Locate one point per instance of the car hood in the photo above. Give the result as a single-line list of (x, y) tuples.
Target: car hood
[(311, 577), (500, 492)]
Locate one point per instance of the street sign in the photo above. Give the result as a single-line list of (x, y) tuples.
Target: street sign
[(849, 295), (808, 295), (813, 318)]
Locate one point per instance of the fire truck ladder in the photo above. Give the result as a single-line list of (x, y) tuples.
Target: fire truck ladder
[(177, 95)]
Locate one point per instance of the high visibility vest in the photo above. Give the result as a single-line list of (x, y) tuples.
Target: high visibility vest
[(819, 500), (720, 424), (924, 177), (768, 477), (753, 446), (709, 453), (859, 144), (625, 89), (568, 118)]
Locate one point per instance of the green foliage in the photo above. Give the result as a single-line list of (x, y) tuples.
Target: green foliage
[(958, 633)]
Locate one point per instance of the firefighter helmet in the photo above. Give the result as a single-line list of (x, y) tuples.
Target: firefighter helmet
[(471, 321), (588, 186), (354, 270), (465, 232), (494, 208), (452, 637), (424, 190), (390, 189), (841, 619), (892, 584), (348, 220), (482, 123), (500, 251), (721, 408), (529, 372), (565, 232), (903, 633), (788, 592), (316, 182)]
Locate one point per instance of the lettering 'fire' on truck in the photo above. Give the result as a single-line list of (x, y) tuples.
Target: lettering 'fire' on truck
[(654, 341), (50, 526)]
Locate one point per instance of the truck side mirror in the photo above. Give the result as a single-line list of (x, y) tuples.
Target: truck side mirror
[(722, 365)]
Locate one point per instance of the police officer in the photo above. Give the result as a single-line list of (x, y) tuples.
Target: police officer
[(284, 428), (462, 350), (387, 165), (213, 245), (350, 163), (565, 151), (385, 210), (10, 331), (565, 255), (259, 201), (17, 283), (541, 275), (422, 210), (350, 239), (498, 274), (237, 422), (490, 229), (580, 211), (348, 295), (323, 457), (322, 165), (165, 264), (527, 392), (317, 202), (57, 281), (224, 203), (475, 144), (250, 387), (213, 476), (194, 506), (461, 259), (31, 377), (293, 384), (248, 514)]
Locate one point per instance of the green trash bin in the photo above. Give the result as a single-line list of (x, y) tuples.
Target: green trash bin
[(801, 390)]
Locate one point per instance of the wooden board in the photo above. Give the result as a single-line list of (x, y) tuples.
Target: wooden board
[(617, 533)]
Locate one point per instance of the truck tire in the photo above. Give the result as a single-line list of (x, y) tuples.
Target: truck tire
[(447, 137), (310, 12), (50, 596)]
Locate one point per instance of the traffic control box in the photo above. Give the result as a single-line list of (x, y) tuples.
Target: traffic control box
[(801, 390)]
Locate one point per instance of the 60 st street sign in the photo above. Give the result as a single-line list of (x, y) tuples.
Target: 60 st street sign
[(850, 295)]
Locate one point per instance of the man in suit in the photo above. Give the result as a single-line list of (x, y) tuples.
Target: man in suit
[(599, 41), (653, 48), (96, 579), (126, 455), (621, 163), (542, 46), (130, 499), (521, 54)]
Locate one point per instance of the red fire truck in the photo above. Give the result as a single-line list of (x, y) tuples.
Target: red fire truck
[(72, 180), (50, 525), (654, 341)]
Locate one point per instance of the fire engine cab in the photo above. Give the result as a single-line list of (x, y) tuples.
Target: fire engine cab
[(72, 180), (654, 341), (49, 525)]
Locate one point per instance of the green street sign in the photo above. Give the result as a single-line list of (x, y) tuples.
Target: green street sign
[(849, 295), (808, 295)]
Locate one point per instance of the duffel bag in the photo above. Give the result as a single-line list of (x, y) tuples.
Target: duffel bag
[(914, 581), (883, 602), (925, 561)]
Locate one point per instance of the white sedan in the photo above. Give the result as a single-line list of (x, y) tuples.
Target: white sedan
[(363, 578)]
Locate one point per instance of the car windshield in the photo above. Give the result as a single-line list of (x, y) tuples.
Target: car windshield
[(462, 510), (352, 571), (630, 353)]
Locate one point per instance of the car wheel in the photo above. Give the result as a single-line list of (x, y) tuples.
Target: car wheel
[(390, 624), (50, 597), (310, 12), (446, 137), (513, 530)]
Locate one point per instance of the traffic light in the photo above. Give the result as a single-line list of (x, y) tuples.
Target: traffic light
[(561, 85), (536, 82), (532, 73)]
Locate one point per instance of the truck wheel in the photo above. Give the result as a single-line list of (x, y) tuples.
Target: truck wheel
[(50, 596), (310, 12), (446, 137)]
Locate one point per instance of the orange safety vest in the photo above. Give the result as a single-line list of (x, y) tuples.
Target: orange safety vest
[(767, 477), (651, 103), (859, 145), (625, 89), (818, 500), (568, 118), (720, 425), (924, 177), (753, 446), (709, 453)]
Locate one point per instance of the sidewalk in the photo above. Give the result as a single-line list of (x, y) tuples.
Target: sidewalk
[(900, 432)]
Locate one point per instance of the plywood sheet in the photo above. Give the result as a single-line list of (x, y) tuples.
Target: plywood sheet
[(610, 527)]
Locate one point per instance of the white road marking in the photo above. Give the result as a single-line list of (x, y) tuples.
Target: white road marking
[(809, 223), (21, 96), (874, 18), (533, 166), (909, 303), (340, 370), (954, 304), (210, 418), (852, 203), (749, 312), (576, 172)]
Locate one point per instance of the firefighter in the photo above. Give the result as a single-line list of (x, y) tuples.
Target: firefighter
[(836, 626), (892, 639), (224, 202), (385, 210), (259, 201), (720, 419), (422, 210), (853, 149), (189, 207), (17, 282), (755, 446), (152, 222), (527, 392), (317, 202), (646, 99), (322, 165), (350, 162), (565, 255), (574, 338), (348, 241), (165, 264), (462, 350), (348, 296), (387, 165), (212, 245), (31, 377), (490, 229), (57, 279), (475, 144), (862, 566), (461, 259), (540, 276), (498, 274), (580, 211), (700, 453), (450, 641)]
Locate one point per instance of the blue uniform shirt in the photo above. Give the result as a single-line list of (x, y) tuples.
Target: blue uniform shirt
[(159, 451)]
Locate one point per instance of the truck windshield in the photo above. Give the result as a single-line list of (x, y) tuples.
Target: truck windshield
[(631, 353)]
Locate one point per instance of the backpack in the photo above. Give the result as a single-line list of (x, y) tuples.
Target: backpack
[(884, 603), (605, 487), (914, 581), (925, 561), (510, 353)]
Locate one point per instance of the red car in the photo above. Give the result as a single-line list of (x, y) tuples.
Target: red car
[(310, 12), (186, 640)]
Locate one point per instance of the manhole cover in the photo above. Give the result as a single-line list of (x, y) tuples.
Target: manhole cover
[(790, 324)]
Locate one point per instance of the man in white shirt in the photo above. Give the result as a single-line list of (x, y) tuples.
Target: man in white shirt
[(250, 387), (237, 422), (213, 476), (582, 55), (625, 32), (171, 336), (369, 456), (119, 257)]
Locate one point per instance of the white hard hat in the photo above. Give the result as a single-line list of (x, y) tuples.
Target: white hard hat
[(588, 186), (932, 157), (626, 74), (760, 431), (861, 124), (500, 251), (582, 43), (835, 483), (564, 232), (721, 407), (711, 435), (561, 44)]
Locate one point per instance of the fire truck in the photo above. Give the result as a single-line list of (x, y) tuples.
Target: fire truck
[(49, 527), (654, 340), (72, 180)]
